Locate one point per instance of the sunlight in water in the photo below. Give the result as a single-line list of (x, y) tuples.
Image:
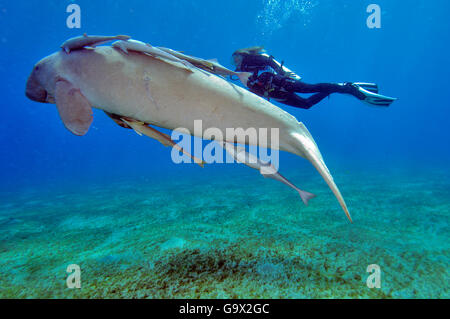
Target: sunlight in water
[(275, 14)]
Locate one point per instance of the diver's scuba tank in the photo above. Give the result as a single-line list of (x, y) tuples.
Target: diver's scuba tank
[(286, 71)]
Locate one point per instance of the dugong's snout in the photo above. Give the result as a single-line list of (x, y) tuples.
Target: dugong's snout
[(34, 90)]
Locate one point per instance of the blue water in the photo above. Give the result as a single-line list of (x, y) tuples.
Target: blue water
[(392, 165)]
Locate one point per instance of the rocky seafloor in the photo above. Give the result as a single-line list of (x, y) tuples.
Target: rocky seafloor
[(237, 236)]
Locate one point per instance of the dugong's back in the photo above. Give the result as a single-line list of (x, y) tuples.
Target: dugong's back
[(167, 94)]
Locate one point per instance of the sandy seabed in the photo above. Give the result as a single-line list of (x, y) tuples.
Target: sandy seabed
[(220, 238)]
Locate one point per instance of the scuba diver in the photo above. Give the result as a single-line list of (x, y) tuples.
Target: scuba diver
[(272, 79)]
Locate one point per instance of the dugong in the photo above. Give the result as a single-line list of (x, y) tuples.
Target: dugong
[(152, 91)]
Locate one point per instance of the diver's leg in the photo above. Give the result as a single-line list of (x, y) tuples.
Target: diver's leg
[(367, 92), (303, 103), (302, 87), (292, 85)]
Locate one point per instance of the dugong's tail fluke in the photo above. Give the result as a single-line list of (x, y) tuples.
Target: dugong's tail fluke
[(323, 170), (307, 148)]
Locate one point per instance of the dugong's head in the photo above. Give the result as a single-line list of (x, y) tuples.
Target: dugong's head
[(46, 84), (40, 83)]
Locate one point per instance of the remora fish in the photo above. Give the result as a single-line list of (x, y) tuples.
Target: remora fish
[(120, 84), (267, 170), (138, 46), (85, 40), (212, 65), (142, 129)]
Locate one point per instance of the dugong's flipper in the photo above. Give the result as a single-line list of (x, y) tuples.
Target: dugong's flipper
[(140, 128), (74, 109)]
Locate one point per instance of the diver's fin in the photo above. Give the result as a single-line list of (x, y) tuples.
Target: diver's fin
[(374, 98), (213, 60), (143, 129), (372, 87), (74, 109)]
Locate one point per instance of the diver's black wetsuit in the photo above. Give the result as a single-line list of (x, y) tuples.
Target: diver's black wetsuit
[(282, 86)]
